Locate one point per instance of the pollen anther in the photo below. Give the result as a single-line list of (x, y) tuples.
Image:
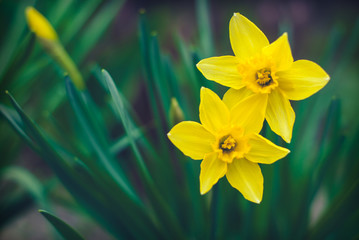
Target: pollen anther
[(228, 144), (263, 77)]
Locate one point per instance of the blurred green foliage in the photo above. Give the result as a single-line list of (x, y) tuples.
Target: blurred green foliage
[(108, 146)]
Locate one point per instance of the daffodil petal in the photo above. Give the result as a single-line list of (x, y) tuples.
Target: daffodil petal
[(302, 79), (279, 51), (192, 139), (264, 151), (280, 115), (222, 70), (249, 113), (246, 38), (213, 113), (234, 96), (212, 169), (247, 178)]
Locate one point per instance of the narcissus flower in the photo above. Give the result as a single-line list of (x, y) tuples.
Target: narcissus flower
[(229, 144), (266, 71)]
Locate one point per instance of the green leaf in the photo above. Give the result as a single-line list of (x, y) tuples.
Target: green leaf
[(79, 16), (342, 208), (149, 51), (125, 141), (158, 75), (66, 231), (28, 181), (78, 185), (13, 36), (351, 47), (96, 29), (125, 121), (26, 192), (77, 103), (161, 207), (125, 202), (16, 123), (204, 28)]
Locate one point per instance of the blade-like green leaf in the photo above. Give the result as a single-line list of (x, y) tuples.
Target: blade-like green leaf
[(160, 206), (16, 123), (88, 191), (124, 142), (148, 49), (204, 28), (79, 20), (158, 75), (66, 231), (26, 180), (11, 39), (95, 29), (343, 207), (99, 147), (124, 118)]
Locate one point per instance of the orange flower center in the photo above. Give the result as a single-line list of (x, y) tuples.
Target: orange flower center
[(258, 73), (230, 144)]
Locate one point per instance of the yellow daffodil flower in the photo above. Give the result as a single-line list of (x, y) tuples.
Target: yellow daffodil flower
[(266, 71), (229, 144)]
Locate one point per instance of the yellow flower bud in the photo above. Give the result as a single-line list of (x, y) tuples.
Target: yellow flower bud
[(40, 25), (49, 40), (176, 113)]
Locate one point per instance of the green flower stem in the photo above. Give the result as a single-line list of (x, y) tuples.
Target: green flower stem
[(214, 212), (59, 54), (160, 206)]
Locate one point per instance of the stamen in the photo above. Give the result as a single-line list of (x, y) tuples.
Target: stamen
[(264, 77), (228, 144)]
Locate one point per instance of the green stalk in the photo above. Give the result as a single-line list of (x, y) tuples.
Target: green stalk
[(214, 212), (161, 207), (204, 28), (57, 51)]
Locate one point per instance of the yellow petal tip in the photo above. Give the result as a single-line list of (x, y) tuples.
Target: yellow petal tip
[(203, 192), (199, 65), (169, 135), (28, 10), (256, 200)]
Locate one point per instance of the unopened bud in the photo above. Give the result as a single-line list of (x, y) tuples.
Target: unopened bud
[(48, 38), (40, 25), (176, 113)]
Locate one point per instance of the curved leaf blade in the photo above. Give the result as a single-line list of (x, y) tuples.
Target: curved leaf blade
[(63, 228)]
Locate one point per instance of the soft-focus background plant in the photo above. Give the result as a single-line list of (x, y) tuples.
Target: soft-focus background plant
[(99, 159)]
